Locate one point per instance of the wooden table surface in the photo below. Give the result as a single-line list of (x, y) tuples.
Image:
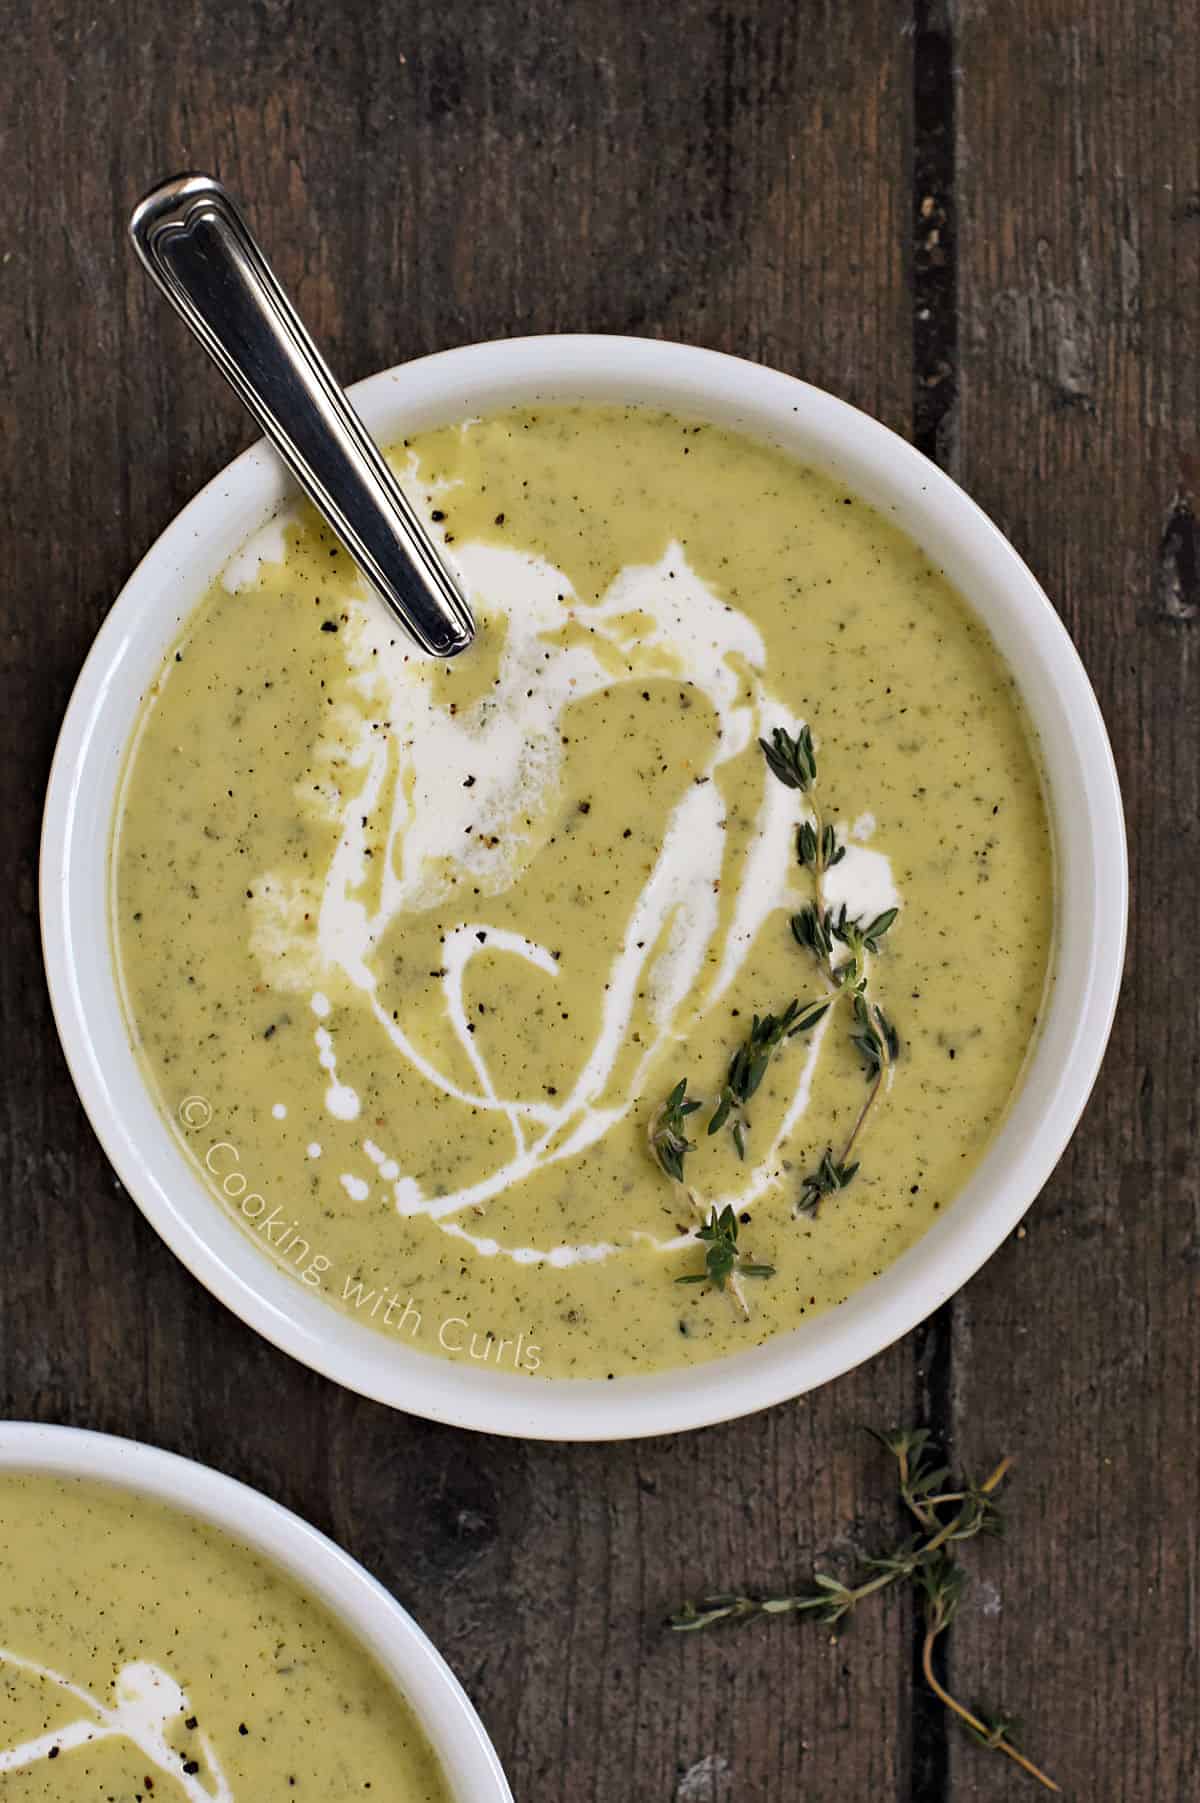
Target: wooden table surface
[(979, 221)]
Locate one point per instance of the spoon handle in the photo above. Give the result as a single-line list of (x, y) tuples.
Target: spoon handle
[(199, 250)]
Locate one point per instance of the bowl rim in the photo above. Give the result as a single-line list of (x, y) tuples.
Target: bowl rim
[(360, 1603), (1086, 817)]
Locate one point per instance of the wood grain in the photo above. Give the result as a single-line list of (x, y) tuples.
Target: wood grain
[(1078, 193), (755, 177)]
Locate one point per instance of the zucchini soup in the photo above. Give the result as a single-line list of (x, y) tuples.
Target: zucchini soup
[(144, 1653), (639, 983)]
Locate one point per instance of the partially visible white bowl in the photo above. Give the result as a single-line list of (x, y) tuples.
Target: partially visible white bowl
[(1089, 836), (368, 1612)]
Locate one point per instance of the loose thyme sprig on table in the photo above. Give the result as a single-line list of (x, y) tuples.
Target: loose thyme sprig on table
[(723, 1263), (946, 1514)]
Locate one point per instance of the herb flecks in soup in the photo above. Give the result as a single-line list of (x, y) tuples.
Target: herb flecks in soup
[(413, 952), (142, 1651)]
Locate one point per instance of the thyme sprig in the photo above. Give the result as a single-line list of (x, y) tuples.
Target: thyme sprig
[(724, 1264), (820, 931), (824, 933), (748, 1066), (668, 1140), (722, 1261), (879, 1046), (830, 1176), (793, 761), (841, 948), (947, 1515), (876, 1038), (942, 1583)]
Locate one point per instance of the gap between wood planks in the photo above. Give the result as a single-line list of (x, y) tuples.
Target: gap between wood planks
[(934, 412)]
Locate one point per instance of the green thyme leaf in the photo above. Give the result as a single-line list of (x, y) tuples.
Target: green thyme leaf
[(829, 1177), (721, 1113), (748, 1065), (719, 1236), (808, 1018), (811, 929), (879, 926), (791, 760), (667, 1136), (941, 1581)]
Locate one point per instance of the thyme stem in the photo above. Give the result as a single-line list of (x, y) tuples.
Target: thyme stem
[(938, 1621), (990, 1739), (819, 866), (864, 1113)]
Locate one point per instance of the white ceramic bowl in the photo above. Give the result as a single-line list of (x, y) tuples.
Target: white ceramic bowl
[(368, 1612), (1089, 847)]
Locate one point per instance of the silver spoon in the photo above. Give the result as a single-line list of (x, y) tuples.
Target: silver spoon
[(200, 251)]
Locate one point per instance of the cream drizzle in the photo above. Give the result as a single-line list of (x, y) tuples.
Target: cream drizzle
[(145, 1700), (508, 744)]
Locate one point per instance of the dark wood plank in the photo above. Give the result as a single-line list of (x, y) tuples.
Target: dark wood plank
[(1077, 1348), (424, 175)]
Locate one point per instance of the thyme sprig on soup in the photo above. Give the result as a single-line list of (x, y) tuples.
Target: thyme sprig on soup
[(416, 953)]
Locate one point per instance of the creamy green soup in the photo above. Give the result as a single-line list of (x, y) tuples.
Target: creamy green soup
[(143, 1655), (413, 952)]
